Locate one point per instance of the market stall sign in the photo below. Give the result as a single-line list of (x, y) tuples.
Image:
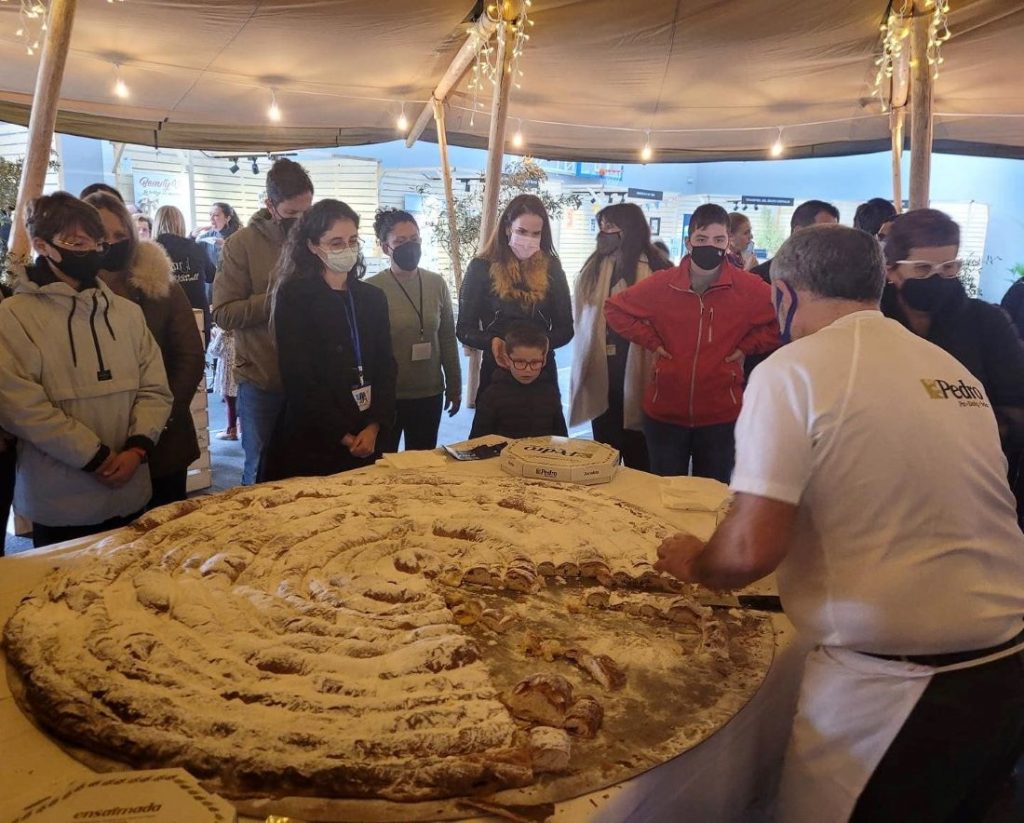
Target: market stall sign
[(645, 194), (760, 200)]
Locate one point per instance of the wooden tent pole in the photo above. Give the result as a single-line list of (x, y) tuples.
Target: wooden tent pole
[(478, 35), (454, 249), (496, 137), (52, 60), (921, 120), (897, 118)]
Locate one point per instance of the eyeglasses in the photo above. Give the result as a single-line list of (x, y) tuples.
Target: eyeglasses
[(339, 244), (531, 365), (925, 268), (76, 245)]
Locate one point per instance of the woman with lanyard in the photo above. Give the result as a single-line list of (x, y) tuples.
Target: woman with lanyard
[(422, 335), (517, 277), (334, 350), (609, 374)]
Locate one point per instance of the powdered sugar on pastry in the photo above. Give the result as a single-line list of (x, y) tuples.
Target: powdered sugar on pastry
[(294, 638)]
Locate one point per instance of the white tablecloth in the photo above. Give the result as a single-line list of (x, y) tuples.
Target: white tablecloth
[(729, 777)]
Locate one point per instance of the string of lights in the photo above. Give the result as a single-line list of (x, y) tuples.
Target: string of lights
[(32, 16), (895, 31)]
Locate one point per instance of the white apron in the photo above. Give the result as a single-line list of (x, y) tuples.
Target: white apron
[(851, 708)]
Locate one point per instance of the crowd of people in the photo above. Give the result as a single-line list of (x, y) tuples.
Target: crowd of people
[(323, 369), (868, 413)]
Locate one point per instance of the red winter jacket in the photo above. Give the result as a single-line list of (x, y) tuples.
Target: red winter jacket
[(696, 387)]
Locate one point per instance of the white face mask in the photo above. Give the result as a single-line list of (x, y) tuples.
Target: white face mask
[(342, 261), (522, 246)]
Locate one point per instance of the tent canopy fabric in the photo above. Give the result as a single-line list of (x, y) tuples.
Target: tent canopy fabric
[(710, 80)]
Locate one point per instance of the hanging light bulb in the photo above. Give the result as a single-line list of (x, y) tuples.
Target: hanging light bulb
[(403, 122), (517, 138), (120, 87), (777, 148), (646, 153), (274, 112)]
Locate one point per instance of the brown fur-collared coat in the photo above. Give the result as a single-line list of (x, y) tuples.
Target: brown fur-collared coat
[(150, 284)]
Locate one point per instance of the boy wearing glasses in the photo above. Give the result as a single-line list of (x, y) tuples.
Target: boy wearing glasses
[(516, 404)]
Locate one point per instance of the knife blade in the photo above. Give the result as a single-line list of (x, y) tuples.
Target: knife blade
[(752, 602)]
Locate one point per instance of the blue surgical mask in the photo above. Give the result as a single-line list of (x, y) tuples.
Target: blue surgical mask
[(785, 326)]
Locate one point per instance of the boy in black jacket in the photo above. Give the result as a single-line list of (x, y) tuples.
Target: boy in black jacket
[(516, 404)]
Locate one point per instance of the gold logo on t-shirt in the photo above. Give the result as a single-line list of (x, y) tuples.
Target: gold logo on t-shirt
[(968, 395)]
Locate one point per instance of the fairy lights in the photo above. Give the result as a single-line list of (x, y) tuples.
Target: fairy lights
[(938, 33), (519, 41), (896, 39), (485, 67), (895, 31), (32, 15)]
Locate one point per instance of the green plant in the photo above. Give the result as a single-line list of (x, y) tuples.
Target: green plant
[(769, 233), (1017, 270), (10, 179), (970, 275), (519, 177)]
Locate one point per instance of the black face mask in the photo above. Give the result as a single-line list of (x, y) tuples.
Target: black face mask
[(932, 293), (407, 256), (707, 258), (286, 224), (116, 257), (608, 243), (81, 267)]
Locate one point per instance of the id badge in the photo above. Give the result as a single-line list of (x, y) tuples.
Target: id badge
[(363, 397), (421, 351), (610, 350)]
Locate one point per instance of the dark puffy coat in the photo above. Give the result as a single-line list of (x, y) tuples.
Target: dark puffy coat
[(981, 337), (513, 409)]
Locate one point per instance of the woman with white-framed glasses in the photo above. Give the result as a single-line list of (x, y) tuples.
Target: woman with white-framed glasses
[(924, 292), (334, 350)]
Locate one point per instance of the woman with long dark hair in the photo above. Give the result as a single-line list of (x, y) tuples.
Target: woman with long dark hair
[(223, 223), (334, 350), (517, 277), (609, 373)]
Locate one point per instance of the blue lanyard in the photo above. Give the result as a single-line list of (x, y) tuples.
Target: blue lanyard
[(353, 329)]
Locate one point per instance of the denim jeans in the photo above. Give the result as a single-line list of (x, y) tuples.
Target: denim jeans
[(670, 447), (257, 414)]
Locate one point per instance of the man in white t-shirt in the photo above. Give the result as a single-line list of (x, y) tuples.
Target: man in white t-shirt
[(869, 473)]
